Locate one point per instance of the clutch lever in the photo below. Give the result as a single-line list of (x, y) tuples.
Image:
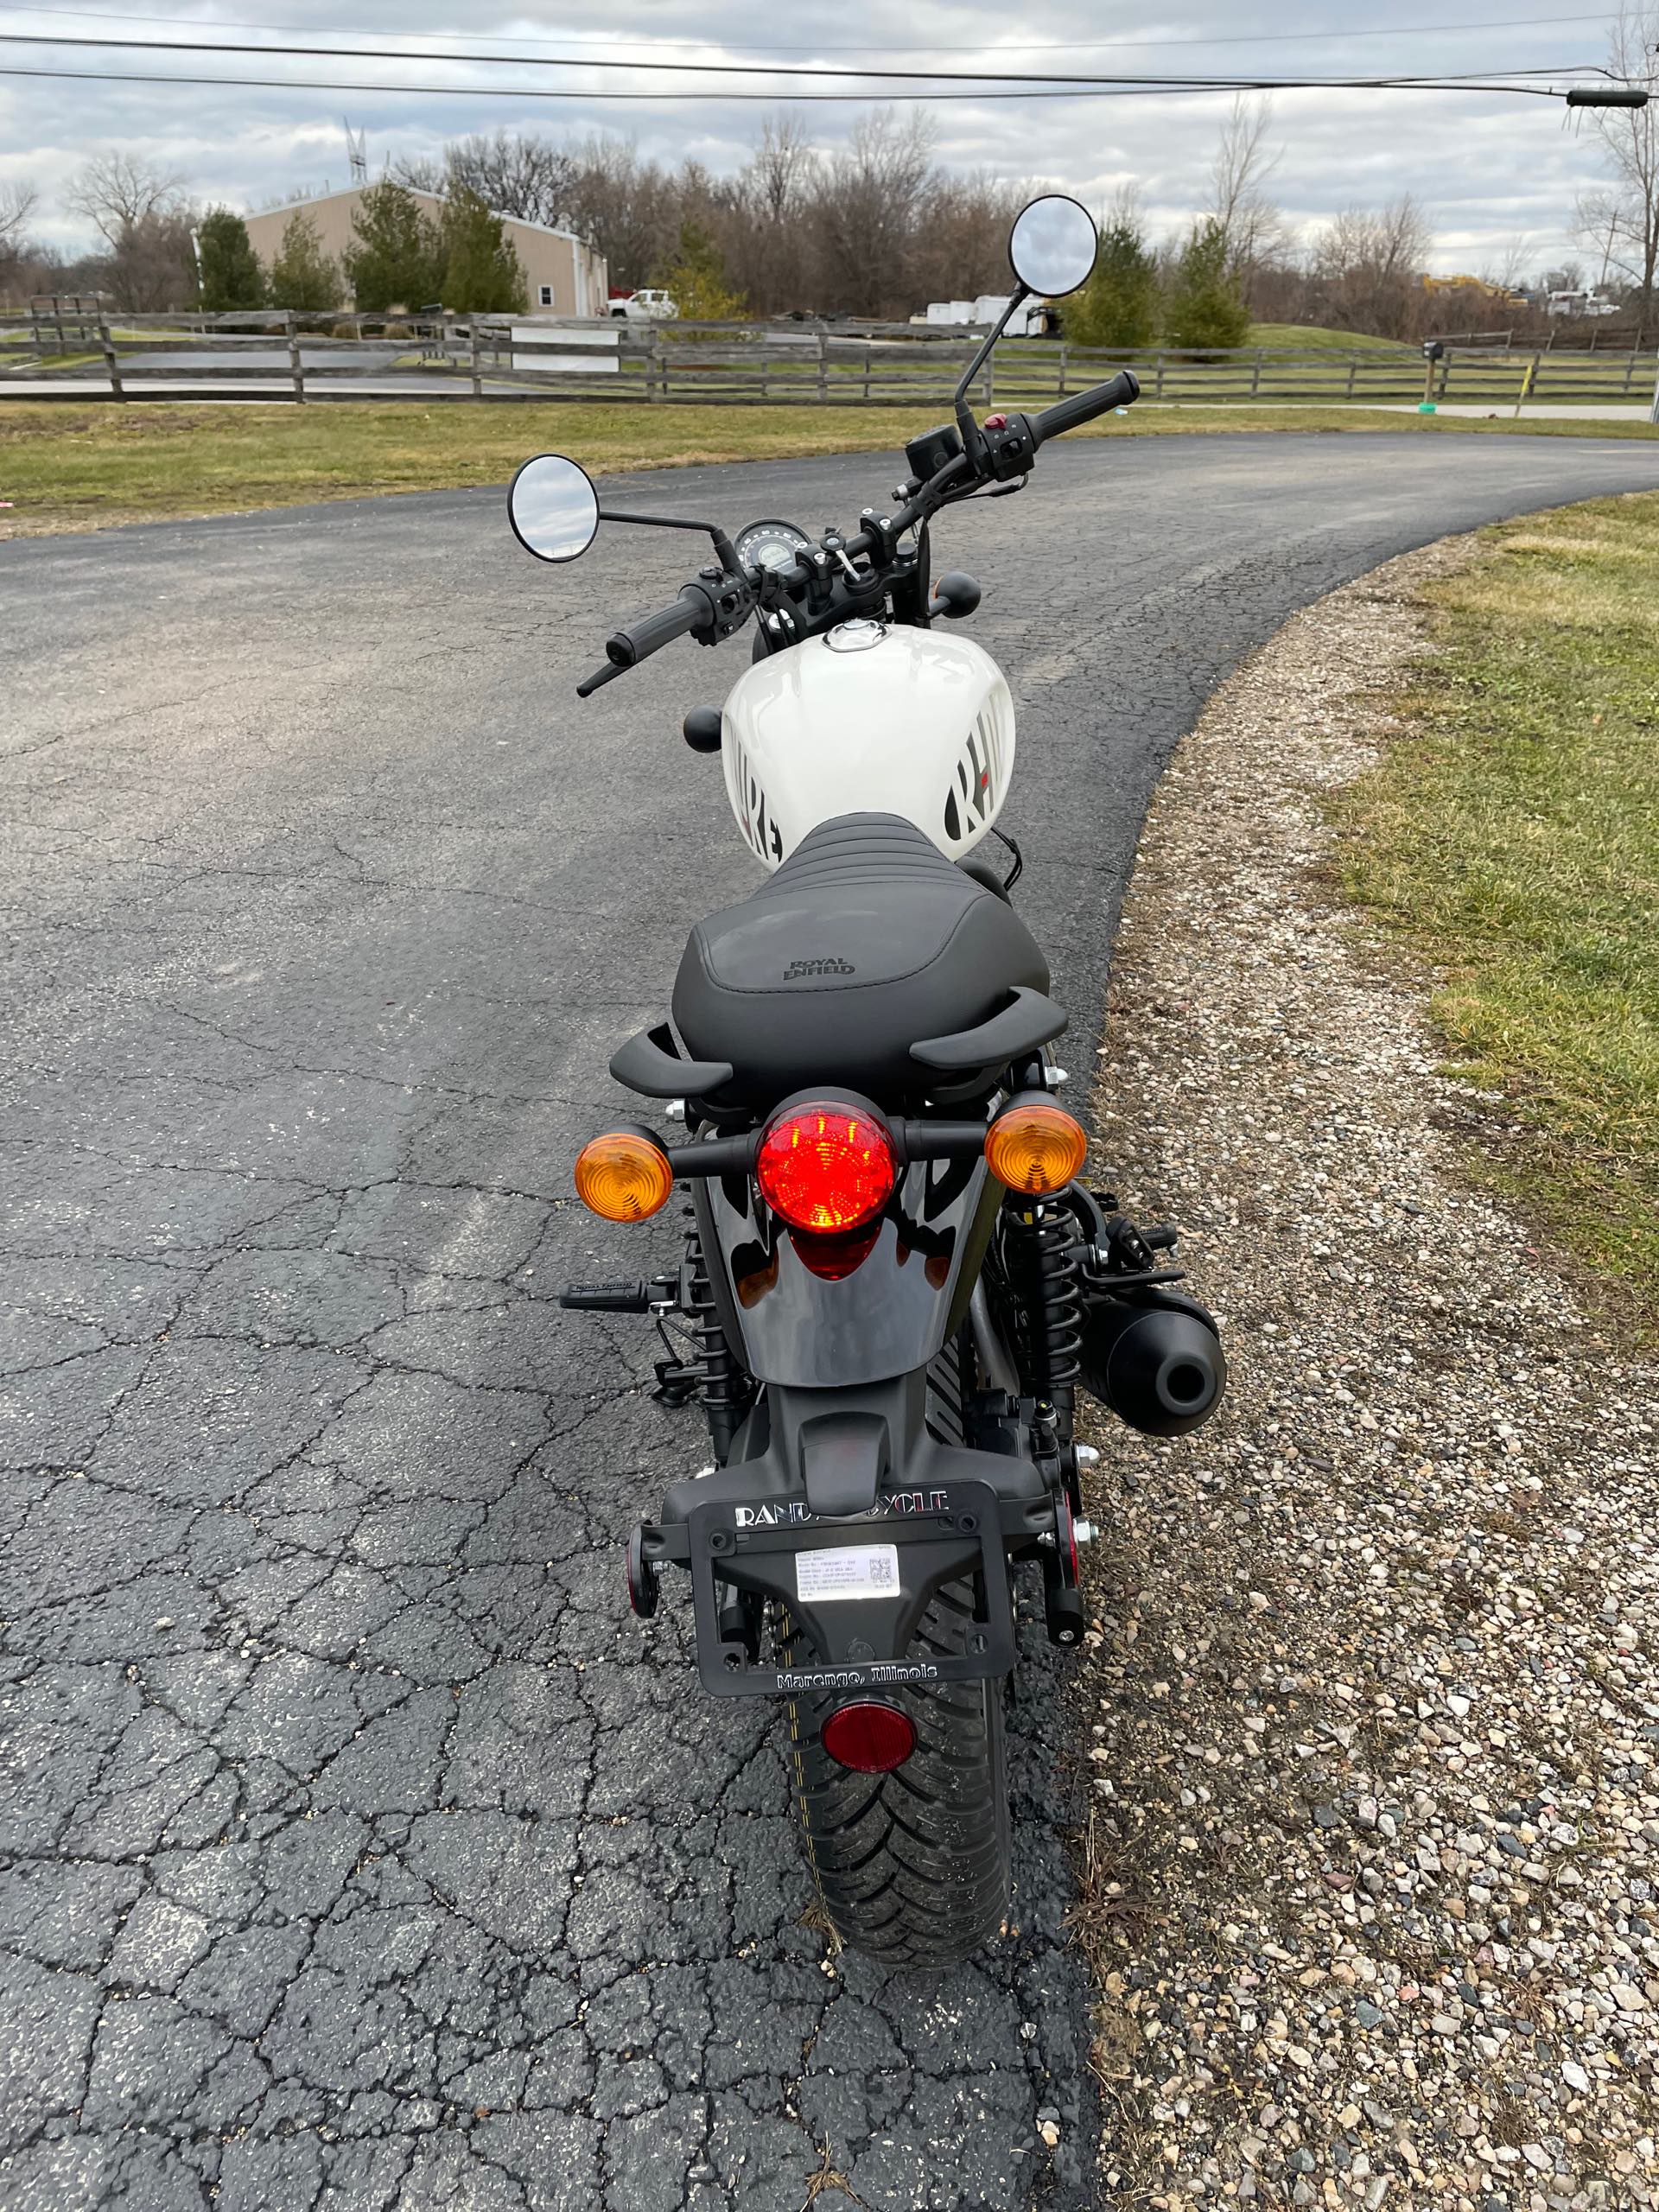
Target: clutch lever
[(994, 491), (608, 674)]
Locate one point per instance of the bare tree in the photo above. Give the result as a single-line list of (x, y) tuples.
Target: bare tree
[(144, 219), (118, 192), (781, 170), (17, 203), (759, 218), (630, 209), (1622, 223), (152, 265), (515, 172), (415, 172), (1251, 224), (1366, 266), (1507, 271), (868, 217), (19, 261), (1126, 208), (961, 245)]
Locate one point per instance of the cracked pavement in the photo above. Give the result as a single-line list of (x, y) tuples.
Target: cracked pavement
[(361, 1850)]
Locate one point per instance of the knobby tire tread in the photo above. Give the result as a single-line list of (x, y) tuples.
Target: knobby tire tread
[(931, 1887)]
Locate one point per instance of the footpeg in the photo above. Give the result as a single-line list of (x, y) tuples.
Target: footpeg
[(661, 1292), (605, 1297)]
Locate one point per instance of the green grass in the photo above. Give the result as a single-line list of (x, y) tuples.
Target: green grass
[(1512, 835), (1314, 338), (75, 465)]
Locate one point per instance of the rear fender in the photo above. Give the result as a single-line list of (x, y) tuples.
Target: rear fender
[(887, 1316)]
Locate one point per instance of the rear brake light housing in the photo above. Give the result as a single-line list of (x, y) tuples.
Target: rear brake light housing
[(826, 1166)]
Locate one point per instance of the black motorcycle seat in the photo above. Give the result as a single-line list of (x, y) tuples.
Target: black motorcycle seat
[(867, 939)]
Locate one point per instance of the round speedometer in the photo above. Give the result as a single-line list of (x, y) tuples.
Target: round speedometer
[(771, 544)]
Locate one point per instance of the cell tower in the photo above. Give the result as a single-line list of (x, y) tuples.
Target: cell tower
[(356, 154)]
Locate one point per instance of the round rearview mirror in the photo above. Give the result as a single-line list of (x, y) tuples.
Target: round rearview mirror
[(1052, 245), (553, 508)]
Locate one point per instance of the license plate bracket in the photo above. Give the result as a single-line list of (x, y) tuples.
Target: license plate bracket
[(948, 1532)]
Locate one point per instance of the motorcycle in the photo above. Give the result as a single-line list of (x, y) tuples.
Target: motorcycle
[(894, 1277)]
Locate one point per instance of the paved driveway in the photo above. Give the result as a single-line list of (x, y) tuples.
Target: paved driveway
[(363, 1852)]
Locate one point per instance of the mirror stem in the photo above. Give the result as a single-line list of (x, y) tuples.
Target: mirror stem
[(965, 420), (723, 545)]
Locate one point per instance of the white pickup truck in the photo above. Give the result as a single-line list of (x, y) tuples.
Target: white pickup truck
[(645, 305)]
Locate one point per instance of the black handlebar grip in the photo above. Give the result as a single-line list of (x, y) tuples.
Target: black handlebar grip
[(653, 631), (1121, 391)]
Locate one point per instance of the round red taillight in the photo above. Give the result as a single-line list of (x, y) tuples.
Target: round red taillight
[(826, 1167), (868, 1739)]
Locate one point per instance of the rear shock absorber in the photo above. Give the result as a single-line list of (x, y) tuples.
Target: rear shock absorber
[(1047, 1256), (1043, 1255)]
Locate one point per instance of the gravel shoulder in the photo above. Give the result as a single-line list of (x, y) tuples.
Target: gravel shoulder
[(1373, 1705)]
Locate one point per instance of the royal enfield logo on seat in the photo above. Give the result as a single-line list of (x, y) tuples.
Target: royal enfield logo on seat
[(796, 968)]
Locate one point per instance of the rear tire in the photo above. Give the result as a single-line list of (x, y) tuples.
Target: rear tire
[(914, 1866)]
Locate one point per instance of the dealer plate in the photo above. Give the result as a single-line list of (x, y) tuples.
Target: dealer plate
[(846, 1571)]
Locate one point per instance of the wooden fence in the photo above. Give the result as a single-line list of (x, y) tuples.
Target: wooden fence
[(65, 323), (282, 356)]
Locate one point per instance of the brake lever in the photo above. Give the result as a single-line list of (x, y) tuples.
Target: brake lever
[(608, 674)]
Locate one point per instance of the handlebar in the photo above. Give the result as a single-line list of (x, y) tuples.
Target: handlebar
[(626, 648), (1121, 391), (717, 607)]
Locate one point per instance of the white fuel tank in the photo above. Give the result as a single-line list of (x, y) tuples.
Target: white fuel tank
[(871, 718)]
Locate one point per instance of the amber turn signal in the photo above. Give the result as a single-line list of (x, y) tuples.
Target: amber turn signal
[(1035, 1149), (623, 1176)]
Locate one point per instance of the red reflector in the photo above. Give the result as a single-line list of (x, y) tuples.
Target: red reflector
[(826, 1167), (868, 1739), (832, 1259)]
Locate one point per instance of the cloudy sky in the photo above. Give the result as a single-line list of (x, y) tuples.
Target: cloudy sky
[(1489, 169)]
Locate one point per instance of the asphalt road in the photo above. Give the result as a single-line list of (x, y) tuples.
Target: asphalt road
[(363, 1852)]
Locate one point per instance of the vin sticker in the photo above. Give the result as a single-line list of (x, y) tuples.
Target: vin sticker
[(847, 1571)]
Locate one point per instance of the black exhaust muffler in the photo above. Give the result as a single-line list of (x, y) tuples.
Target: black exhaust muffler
[(1157, 1362)]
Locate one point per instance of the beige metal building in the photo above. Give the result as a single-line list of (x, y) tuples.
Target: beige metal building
[(562, 274)]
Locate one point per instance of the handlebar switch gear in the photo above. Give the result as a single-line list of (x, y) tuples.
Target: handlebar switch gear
[(1009, 446)]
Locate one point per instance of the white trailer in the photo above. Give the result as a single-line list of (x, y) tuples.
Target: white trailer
[(1035, 319)]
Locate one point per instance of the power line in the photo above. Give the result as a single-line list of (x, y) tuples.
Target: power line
[(1123, 88), (1025, 46), (814, 71)]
